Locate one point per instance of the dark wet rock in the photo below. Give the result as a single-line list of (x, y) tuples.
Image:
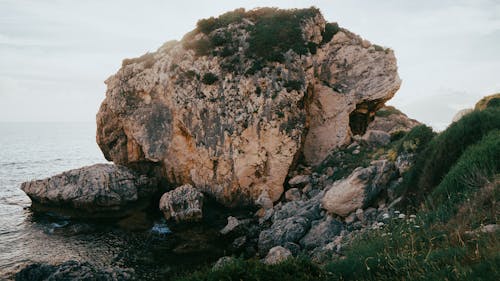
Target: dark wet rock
[(101, 190), (185, 203), (321, 233), (136, 222), (72, 270)]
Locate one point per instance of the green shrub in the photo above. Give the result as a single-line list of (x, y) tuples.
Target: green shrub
[(208, 25), (209, 78), (201, 47), (478, 166), (444, 150), (330, 30), (277, 31), (415, 140), (293, 85), (378, 48)]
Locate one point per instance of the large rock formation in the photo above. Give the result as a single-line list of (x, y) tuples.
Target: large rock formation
[(100, 190), (235, 105)]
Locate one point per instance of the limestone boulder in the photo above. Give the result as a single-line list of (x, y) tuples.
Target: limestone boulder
[(101, 190), (234, 124), (277, 254), (359, 189), (183, 204)]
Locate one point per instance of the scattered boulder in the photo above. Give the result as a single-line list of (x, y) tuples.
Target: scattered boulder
[(321, 233), (293, 194), (299, 181), (101, 190), (234, 225), (183, 204), (222, 262), (377, 138), (277, 255), (72, 270), (288, 230), (358, 189)]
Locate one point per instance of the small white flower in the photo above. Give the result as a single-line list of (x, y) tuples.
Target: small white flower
[(385, 216), (402, 216)]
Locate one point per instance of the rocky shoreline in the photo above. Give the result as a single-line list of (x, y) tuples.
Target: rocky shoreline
[(276, 157)]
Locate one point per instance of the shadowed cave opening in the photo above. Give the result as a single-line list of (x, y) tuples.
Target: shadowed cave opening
[(363, 115)]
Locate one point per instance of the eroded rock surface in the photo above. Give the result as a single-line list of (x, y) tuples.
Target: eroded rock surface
[(101, 190), (231, 123)]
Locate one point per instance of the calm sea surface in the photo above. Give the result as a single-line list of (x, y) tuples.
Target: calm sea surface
[(38, 150)]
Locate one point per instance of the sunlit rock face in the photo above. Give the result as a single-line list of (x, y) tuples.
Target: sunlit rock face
[(230, 111)]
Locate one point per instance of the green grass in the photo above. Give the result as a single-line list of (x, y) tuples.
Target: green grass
[(299, 269), (444, 150)]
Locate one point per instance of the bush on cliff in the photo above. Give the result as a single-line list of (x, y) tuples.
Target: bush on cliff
[(444, 150)]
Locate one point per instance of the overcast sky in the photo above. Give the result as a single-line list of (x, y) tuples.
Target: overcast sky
[(55, 55)]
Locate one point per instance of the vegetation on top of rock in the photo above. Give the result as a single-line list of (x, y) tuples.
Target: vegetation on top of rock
[(148, 59), (277, 31), (387, 111), (488, 101), (273, 32), (209, 78), (206, 26), (331, 28)]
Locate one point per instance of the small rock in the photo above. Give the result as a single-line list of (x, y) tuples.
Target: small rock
[(350, 218), (293, 194), (222, 262), (359, 214), (233, 225), (277, 255), (184, 203), (239, 242), (377, 138), (299, 181), (356, 152), (490, 228), (401, 216), (329, 171), (264, 201)]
